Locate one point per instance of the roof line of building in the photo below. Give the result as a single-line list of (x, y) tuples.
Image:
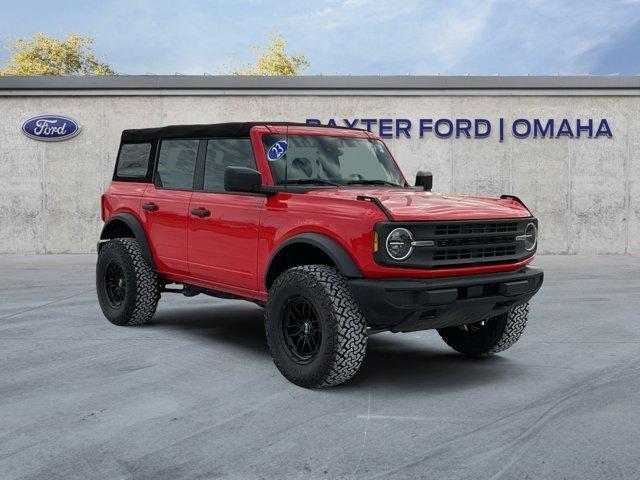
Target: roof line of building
[(397, 83)]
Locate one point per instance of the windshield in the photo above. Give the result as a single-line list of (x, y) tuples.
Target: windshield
[(330, 160)]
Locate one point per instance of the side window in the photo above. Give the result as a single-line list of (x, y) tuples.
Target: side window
[(133, 161), (223, 153), (176, 164)]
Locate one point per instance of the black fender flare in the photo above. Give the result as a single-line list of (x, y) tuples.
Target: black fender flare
[(333, 249), (138, 232)]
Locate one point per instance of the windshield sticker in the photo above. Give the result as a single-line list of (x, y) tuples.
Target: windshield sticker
[(277, 150)]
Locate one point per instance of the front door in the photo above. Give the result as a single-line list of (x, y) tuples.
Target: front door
[(165, 204), (224, 226)]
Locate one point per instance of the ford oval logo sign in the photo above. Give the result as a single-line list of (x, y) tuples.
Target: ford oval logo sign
[(50, 128)]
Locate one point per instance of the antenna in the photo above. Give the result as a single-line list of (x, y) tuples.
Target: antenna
[(286, 160)]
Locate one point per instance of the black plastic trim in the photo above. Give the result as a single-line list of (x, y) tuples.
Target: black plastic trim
[(517, 199), (376, 201), (134, 225), (333, 249), (198, 177), (410, 305)]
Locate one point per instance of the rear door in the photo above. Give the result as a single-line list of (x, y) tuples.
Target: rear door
[(223, 226), (165, 204)]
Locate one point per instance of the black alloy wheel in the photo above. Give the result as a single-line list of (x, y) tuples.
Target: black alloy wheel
[(301, 330), (115, 284)]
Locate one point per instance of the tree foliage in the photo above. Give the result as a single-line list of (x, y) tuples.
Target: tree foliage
[(273, 60), (45, 55)]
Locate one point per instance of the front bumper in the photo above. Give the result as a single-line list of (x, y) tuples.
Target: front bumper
[(410, 305)]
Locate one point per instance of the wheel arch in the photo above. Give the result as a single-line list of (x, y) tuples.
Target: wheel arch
[(126, 225), (309, 248)]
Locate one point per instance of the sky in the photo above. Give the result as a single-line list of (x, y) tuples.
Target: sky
[(357, 37)]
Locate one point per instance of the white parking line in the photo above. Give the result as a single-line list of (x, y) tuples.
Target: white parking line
[(391, 417)]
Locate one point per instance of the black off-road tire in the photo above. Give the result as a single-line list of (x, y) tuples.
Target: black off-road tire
[(496, 335), (140, 286), (343, 330)]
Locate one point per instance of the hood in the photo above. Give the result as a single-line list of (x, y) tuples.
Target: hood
[(408, 204)]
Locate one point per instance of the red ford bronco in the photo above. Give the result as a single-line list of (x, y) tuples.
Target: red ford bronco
[(319, 226)]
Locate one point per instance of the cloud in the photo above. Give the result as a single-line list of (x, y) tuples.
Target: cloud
[(619, 53), (362, 14), (452, 34), (365, 36), (350, 36), (543, 37)]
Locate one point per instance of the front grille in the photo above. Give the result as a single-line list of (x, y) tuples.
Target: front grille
[(460, 243), (473, 253), (464, 241), (470, 228), (472, 242)]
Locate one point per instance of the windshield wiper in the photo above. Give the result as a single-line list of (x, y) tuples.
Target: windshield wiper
[(372, 182), (309, 181)]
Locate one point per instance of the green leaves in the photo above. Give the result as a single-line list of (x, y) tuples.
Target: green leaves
[(45, 55), (273, 60)]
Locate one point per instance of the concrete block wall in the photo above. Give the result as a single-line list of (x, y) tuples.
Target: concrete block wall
[(586, 192)]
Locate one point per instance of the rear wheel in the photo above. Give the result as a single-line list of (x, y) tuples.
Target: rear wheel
[(490, 336), (128, 289), (315, 331)]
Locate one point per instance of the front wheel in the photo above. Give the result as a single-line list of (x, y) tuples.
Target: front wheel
[(315, 331), (488, 336)]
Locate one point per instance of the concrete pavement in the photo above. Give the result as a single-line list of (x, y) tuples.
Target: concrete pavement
[(195, 395)]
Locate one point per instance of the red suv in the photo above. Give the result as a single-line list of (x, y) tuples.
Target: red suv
[(319, 226)]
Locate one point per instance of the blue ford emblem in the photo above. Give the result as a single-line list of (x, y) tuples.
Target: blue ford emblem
[(50, 128), (277, 150)]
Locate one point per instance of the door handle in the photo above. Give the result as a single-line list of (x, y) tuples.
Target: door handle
[(152, 207), (200, 212)]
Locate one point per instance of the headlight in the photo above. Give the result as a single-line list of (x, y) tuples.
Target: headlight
[(399, 243), (530, 237)]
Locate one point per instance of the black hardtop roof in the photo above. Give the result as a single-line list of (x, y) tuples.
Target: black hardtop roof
[(226, 130)]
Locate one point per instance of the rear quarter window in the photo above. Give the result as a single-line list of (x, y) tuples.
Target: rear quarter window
[(133, 160)]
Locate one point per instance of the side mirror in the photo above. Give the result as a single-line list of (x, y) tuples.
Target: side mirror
[(242, 179), (424, 180)]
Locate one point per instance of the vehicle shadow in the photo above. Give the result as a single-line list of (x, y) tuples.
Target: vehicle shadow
[(423, 363), (235, 323), (407, 362)]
